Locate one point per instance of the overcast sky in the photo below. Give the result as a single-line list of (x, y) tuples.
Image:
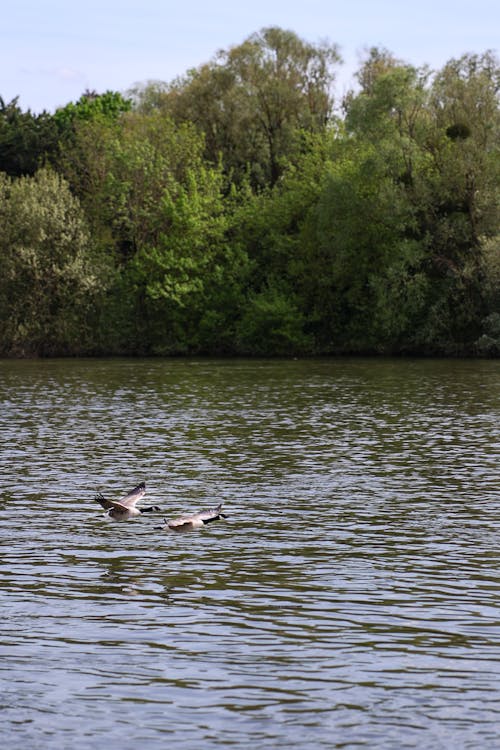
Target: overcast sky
[(52, 50)]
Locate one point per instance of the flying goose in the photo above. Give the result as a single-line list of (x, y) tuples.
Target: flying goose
[(125, 508), (195, 521)]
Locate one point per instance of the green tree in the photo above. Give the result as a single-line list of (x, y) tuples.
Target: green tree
[(363, 289), (488, 342), (91, 106), (438, 140), (269, 228), (120, 169), (191, 275), (249, 100), (50, 276), (27, 140), (460, 206), (167, 214), (148, 157)]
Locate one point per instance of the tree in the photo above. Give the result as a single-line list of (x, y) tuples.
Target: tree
[(27, 141), (461, 210), (249, 100), (166, 217), (438, 141), (191, 275), (363, 290), (269, 227), (91, 106), (50, 275), (148, 157)]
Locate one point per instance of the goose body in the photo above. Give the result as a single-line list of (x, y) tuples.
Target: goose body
[(126, 507), (194, 521)]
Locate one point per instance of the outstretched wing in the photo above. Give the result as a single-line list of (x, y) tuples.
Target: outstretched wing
[(107, 504), (183, 523), (132, 497), (211, 514), (195, 521)]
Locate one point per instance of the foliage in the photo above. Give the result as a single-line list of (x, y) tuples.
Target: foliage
[(191, 275), (160, 210), (448, 177), (249, 100), (273, 325), (49, 275), (26, 140), (231, 212), (92, 106), (489, 341)]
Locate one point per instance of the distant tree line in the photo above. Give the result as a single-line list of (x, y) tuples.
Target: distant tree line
[(241, 210)]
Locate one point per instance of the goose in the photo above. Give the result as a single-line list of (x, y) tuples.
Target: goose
[(125, 508), (194, 521)]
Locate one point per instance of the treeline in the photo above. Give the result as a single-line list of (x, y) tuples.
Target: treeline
[(241, 210)]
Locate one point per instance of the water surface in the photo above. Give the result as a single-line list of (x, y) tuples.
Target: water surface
[(350, 600)]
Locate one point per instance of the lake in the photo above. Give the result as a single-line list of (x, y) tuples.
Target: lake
[(349, 600)]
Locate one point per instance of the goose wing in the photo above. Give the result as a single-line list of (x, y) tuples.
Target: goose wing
[(132, 497), (183, 523), (210, 514), (108, 504)]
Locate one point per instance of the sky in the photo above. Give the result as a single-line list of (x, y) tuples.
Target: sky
[(51, 51)]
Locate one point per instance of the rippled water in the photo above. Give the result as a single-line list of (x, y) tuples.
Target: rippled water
[(350, 600)]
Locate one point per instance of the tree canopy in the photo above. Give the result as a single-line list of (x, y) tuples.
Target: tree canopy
[(250, 100), (236, 210)]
